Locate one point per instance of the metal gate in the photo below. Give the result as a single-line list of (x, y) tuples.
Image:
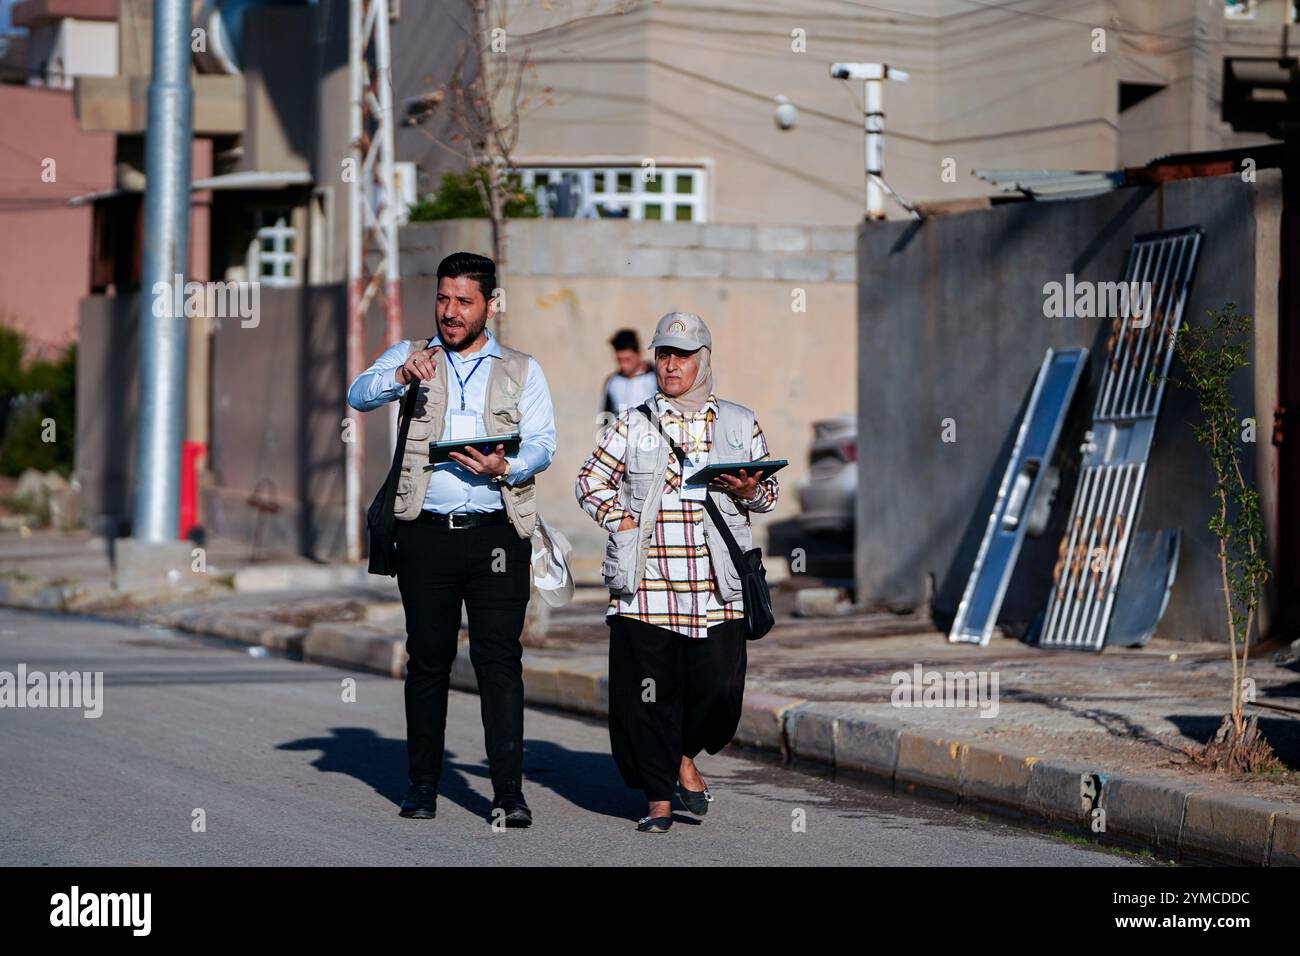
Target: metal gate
[(1107, 500), (1018, 495)]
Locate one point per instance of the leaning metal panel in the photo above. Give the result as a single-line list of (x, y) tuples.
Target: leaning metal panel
[(1106, 505), (1035, 442)]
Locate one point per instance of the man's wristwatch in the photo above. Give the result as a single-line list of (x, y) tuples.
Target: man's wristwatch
[(501, 478)]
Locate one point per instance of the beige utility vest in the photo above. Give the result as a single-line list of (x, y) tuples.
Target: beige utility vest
[(505, 386), (644, 469)]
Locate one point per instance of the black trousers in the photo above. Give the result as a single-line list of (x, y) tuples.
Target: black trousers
[(693, 703), (487, 568)]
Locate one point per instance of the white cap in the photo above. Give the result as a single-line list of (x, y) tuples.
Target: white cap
[(682, 330)]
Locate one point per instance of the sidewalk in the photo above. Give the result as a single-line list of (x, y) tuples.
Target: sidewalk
[(1078, 739)]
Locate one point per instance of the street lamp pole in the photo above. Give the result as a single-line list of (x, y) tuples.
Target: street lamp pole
[(161, 419), (873, 76)]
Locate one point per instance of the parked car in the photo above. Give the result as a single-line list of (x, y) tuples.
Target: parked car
[(827, 493)]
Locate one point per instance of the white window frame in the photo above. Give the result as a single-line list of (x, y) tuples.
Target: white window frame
[(599, 183), (284, 263)]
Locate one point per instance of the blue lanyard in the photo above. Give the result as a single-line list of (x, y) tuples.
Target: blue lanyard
[(464, 381)]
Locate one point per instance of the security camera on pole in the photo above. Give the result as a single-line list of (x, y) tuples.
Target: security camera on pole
[(873, 76)]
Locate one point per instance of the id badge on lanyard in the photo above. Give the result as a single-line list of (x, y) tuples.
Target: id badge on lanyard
[(695, 460), (463, 424)]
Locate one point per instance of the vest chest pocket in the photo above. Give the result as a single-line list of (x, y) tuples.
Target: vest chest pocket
[(507, 418)]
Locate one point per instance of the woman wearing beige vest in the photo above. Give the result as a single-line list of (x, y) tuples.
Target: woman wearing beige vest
[(677, 640)]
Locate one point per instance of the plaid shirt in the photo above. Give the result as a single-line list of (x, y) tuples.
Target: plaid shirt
[(679, 589)]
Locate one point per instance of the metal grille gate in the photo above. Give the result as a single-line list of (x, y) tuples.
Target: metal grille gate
[(1017, 500), (1090, 559)]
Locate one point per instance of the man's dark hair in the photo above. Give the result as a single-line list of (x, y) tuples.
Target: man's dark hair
[(470, 265), (625, 339)]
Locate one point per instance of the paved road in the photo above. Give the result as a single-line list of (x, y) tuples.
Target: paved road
[(288, 773)]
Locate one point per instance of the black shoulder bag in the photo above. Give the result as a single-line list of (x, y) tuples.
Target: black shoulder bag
[(753, 578), (379, 517)]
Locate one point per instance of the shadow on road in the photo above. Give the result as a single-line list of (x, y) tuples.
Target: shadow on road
[(587, 779)]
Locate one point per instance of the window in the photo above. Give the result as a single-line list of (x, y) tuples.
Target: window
[(673, 193), (273, 258), (1239, 9)]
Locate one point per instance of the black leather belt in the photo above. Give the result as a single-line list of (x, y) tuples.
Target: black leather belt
[(463, 519)]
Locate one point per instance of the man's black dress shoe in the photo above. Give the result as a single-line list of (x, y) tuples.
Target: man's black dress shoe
[(420, 802), (515, 809)]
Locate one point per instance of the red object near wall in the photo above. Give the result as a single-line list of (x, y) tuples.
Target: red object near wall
[(191, 452)]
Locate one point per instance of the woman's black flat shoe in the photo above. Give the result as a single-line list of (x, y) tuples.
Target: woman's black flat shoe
[(654, 824), (696, 801)]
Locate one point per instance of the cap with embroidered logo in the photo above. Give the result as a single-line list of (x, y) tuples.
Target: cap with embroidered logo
[(682, 330)]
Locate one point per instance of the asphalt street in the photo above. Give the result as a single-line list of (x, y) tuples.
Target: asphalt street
[(280, 769)]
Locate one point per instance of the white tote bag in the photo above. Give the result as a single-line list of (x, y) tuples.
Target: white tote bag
[(551, 576)]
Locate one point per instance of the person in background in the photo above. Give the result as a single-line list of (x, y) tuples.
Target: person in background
[(677, 652), (634, 380)]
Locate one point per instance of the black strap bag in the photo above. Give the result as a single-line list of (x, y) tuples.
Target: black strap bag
[(757, 598), (379, 517)]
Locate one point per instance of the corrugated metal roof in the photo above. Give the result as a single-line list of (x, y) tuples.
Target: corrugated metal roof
[(1048, 184)]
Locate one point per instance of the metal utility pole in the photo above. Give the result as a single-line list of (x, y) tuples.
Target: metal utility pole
[(372, 225), (873, 76), (161, 420)]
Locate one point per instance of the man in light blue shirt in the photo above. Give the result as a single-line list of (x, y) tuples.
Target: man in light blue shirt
[(452, 485), (469, 544)]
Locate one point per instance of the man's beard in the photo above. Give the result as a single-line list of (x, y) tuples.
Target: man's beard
[(472, 335)]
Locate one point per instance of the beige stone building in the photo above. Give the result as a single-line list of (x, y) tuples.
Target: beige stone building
[(690, 85)]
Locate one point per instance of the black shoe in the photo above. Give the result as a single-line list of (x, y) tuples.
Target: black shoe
[(517, 814), (420, 802), (654, 824), (696, 801)]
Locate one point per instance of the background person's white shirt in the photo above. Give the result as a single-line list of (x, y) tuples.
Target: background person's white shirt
[(622, 393)]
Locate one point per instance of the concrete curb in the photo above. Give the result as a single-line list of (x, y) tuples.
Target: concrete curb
[(71, 597), (244, 628), (358, 645), (1189, 818), (1186, 818), (288, 577)]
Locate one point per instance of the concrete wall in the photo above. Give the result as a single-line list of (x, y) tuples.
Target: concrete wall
[(108, 390), (951, 325), (280, 106), (278, 410), (278, 405), (333, 133)]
